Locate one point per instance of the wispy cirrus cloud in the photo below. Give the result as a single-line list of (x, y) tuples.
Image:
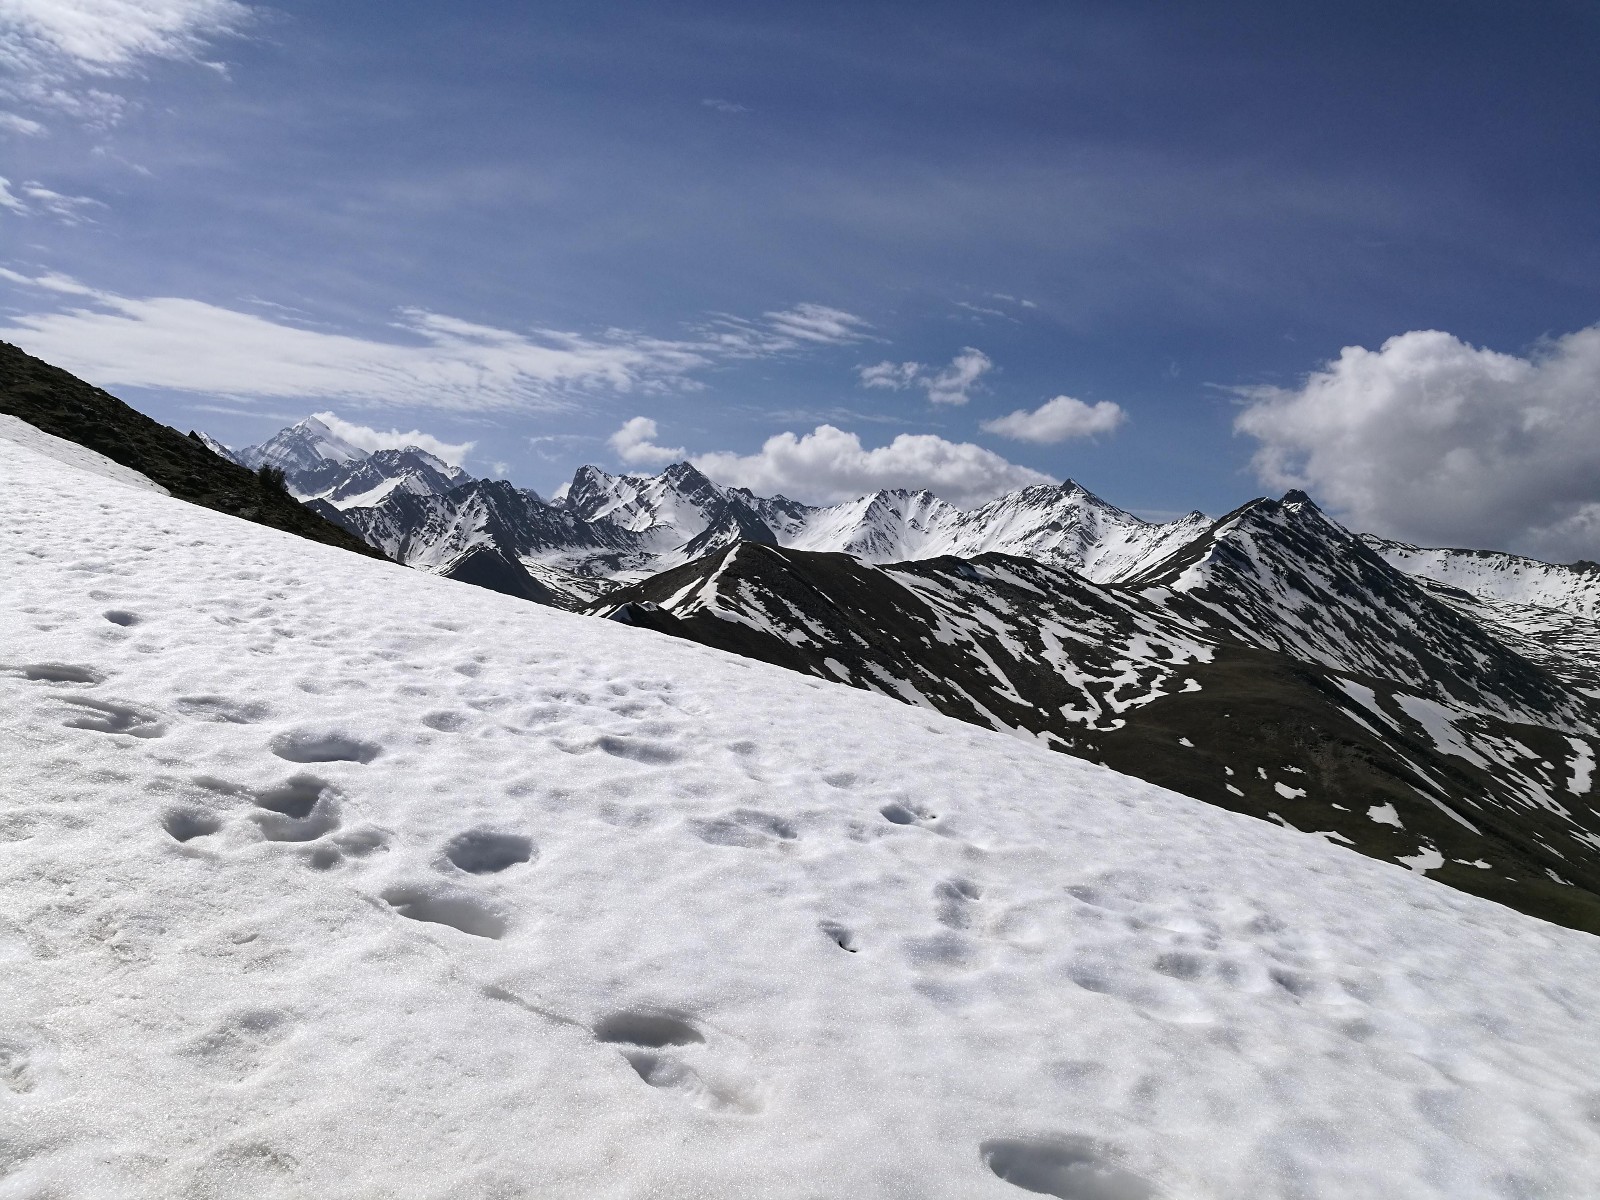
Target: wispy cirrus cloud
[(950, 385), (434, 361), (62, 57), (367, 438), (724, 106), (783, 330), (32, 199)]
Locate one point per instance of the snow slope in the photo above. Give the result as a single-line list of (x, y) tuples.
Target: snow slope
[(19, 432), (456, 896), (1493, 575)]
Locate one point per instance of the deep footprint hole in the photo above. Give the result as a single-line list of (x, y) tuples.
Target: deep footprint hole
[(186, 824), (294, 798), (61, 673), (483, 852), (462, 912), (118, 616), (840, 936), (323, 747), (1070, 1168), (651, 1030)]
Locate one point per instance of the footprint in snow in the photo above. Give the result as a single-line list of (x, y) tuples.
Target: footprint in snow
[(485, 852), (222, 710), (239, 1044), (306, 746), (1070, 1168), (105, 717), (639, 749), (840, 935), (26, 1062), (955, 900), (58, 673), (663, 1048), (436, 904), (301, 809), (747, 827), (186, 824), (120, 616), (904, 814)]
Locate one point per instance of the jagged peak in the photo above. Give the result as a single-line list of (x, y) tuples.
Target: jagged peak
[(685, 472)]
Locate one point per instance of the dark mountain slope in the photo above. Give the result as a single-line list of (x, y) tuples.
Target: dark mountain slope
[(1176, 698), (50, 399)]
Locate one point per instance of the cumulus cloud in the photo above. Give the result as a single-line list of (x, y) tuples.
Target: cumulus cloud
[(951, 385), (828, 465), (1059, 419), (367, 438), (1432, 440), (635, 444)]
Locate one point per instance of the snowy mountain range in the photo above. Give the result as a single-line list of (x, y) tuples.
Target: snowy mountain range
[(608, 529), (1430, 708)]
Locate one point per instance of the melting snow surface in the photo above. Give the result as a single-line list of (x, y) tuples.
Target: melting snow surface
[(327, 878)]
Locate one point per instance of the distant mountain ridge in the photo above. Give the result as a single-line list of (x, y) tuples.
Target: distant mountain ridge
[(608, 529)]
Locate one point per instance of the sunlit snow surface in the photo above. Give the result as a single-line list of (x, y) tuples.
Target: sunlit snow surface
[(324, 878)]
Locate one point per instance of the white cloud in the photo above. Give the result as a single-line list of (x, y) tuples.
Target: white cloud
[(818, 323), (1435, 441), (1059, 419), (725, 106), (22, 125), (892, 375), (804, 325), (828, 465), (950, 385), (37, 200), (435, 361), (445, 363), (634, 444), (50, 49), (367, 438)]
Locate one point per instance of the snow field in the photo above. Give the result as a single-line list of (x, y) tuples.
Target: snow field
[(322, 877)]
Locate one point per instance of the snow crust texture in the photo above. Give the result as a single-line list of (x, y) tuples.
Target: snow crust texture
[(448, 895)]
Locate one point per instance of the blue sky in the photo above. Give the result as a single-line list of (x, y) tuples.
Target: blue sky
[(522, 226)]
